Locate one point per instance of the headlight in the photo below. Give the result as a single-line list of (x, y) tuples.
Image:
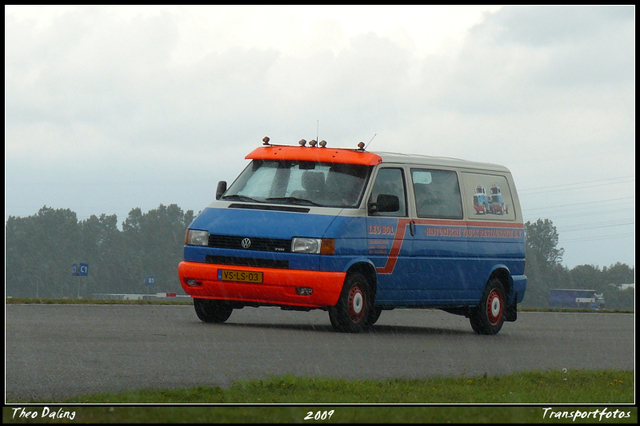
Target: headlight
[(313, 245), (197, 238), (306, 245)]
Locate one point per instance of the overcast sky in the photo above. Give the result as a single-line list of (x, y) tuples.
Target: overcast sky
[(109, 108)]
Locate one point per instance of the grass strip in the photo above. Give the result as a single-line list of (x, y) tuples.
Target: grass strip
[(516, 398), (558, 387)]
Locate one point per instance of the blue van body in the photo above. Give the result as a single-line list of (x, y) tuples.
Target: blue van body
[(379, 251)]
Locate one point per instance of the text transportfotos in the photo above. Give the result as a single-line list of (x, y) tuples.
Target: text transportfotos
[(577, 414)]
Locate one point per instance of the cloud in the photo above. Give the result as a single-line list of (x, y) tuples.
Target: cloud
[(572, 45), (545, 26), (126, 77)]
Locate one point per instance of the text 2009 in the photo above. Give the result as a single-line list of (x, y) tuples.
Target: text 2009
[(319, 415)]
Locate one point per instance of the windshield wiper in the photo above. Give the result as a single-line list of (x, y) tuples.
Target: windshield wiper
[(237, 197), (294, 200)]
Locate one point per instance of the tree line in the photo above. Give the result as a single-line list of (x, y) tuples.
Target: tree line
[(41, 249)]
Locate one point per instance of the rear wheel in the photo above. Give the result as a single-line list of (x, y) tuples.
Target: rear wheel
[(489, 315), (354, 307), (210, 310)]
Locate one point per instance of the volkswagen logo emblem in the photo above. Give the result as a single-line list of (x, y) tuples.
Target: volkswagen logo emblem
[(246, 243)]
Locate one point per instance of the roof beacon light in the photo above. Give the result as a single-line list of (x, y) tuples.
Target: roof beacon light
[(323, 143), (265, 140), (361, 146), (313, 143), (302, 142)]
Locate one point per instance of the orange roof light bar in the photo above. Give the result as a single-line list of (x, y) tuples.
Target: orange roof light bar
[(320, 155)]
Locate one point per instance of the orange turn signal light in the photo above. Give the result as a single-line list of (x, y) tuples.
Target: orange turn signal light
[(328, 246)]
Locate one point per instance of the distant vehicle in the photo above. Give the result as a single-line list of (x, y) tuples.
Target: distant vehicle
[(480, 200), (576, 299)]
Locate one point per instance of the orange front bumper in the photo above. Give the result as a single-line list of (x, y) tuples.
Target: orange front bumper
[(277, 288)]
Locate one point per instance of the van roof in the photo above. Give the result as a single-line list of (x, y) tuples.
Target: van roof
[(350, 156), (392, 157)]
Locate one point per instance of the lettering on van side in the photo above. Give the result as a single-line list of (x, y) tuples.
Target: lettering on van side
[(381, 230), (466, 230), (439, 231), (378, 246), (493, 233)]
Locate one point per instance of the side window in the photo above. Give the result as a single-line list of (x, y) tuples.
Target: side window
[(390, 182), (488, 197), (437, 193)]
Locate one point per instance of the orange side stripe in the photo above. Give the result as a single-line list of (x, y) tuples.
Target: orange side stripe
[(395, 248)]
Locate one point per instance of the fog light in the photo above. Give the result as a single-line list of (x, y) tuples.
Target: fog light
[(304, 291), (192, 283)]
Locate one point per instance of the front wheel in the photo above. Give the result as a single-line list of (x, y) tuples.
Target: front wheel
[(489, 315), (210, 310), (374, 314), (352, 312)]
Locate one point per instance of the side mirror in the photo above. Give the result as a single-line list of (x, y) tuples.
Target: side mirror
[(221, 189), (385, 203)]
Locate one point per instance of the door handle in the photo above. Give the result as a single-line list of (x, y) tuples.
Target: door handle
[(412, 228)]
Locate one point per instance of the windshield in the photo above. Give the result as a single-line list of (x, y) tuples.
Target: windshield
[(300, 182)]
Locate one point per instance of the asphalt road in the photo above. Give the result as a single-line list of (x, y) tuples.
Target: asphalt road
[(59, 351)]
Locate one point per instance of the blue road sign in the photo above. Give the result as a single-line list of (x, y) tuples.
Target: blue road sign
[(74, 269), (150, 281), (84, 269)]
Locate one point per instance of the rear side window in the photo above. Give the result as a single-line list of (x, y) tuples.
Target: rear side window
[(437, 193), (488, 197)]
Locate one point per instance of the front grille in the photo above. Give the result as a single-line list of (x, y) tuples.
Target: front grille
[(256, 244), (247, 261)]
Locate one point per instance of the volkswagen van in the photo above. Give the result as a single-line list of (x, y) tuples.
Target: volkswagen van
[(356, 233)]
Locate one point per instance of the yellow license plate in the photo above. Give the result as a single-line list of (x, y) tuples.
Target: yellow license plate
[(240, 276)]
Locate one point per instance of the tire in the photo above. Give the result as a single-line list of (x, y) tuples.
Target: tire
[(374, 314), (209, 310), (352, 312), (488, 317)]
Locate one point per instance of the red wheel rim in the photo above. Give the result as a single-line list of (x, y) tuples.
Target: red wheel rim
[(356, 304), (494, 307)]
